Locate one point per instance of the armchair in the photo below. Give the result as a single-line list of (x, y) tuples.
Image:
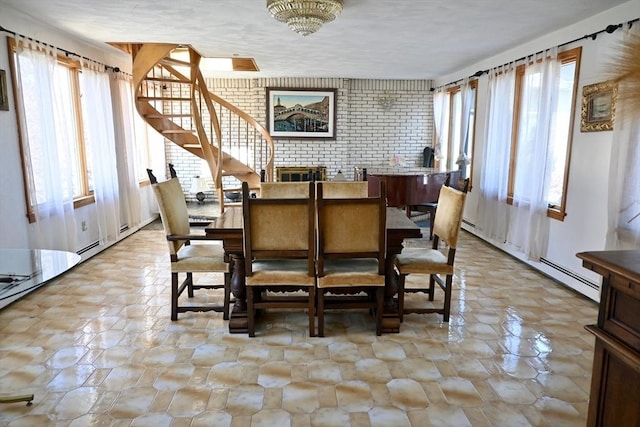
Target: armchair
[(185, 257)]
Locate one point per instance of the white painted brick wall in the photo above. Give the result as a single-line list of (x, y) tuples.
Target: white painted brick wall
[(366, 133)]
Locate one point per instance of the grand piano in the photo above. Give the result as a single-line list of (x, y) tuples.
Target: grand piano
[(410, 187)]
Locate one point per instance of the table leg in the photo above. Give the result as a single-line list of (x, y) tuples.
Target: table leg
[(238, 323)]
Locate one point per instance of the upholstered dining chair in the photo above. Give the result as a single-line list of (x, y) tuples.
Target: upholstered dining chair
[(284, 190), (433, 263), (344, 189), (279, 254), (351, 239), (432, 207), (185, 257)]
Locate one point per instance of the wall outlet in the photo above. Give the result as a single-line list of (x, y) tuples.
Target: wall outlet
[(84, 225)]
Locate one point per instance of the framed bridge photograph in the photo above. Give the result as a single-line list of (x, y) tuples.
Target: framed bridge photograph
[(301, 113)]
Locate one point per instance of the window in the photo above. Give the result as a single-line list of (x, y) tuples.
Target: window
[(529, 95), (458, 129), (52, 127)]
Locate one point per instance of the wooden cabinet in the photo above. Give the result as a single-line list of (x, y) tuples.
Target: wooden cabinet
[(615, 382)]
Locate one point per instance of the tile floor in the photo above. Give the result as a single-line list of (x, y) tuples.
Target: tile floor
[(98, 349)]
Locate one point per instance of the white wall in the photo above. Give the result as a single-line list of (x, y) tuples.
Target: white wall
[(14, 226), (584, 228)]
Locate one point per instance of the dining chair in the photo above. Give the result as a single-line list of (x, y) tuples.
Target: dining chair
[(284, 190), (186, 257), (351, 239), (344, 189), (279, 254), (433, 262)]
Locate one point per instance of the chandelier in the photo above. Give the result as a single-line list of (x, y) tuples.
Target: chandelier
[(305, 16)]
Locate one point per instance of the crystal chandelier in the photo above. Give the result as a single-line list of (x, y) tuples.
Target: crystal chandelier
[(305, 16)]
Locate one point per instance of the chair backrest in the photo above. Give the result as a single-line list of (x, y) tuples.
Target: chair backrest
[(278, 228), (284, 190), (173, 210), (351, 228), (449, 215), (344, 189)]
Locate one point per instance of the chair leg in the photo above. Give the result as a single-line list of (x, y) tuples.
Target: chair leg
[(379, 309), (432, 287), (401, 278), (190, 285), (251, 313), (432, 218), (174, 296), (312, 314), (447, 298), (321, 312)]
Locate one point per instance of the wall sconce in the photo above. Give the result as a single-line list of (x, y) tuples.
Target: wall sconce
[(386, 100)]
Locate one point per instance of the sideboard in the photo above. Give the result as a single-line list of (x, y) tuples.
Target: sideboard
[(615, 380)]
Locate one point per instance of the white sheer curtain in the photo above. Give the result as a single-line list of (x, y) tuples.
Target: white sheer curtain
[(440, 117), (537, 125), (494, 176), (100, 145), (467, 102), (624, 171), (124, 125), (47, 133)]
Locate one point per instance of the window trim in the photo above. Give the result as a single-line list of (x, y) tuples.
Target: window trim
[(553, 211)]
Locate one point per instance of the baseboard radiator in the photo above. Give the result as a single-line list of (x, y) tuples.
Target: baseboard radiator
[(471, 228), (89, 247), (570, 273)]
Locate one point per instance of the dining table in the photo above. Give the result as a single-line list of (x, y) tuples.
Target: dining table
[(228, 228)]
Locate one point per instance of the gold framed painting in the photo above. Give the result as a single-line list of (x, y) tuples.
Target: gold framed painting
[(598, 106)]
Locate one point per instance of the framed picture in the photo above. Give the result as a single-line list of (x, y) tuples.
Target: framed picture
[(598, 106), (301, 113), (4, 97)]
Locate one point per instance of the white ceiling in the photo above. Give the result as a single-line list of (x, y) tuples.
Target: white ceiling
[(386, 39)]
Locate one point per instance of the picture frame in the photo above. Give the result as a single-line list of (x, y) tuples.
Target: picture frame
[(598, 106), (295, 113), (4, 96)]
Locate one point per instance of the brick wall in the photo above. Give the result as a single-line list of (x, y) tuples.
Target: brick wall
[(367, 134)]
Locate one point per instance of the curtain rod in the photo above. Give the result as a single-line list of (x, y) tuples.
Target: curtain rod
[(609, 29), (66, 52)]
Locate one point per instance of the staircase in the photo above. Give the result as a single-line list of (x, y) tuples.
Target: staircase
[(172, 96)]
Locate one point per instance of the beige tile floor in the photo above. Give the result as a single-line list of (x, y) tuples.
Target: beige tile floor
[(97, 348)]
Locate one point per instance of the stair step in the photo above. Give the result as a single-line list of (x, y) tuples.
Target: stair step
[(165, 116), (166, 79), (171, 131), (172, 61), (192, 146), (162, 98)]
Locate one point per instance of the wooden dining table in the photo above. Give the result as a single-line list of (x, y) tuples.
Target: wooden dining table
[(228, 228)]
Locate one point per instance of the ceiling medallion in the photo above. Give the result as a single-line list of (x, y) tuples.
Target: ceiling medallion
[(305, 16)]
